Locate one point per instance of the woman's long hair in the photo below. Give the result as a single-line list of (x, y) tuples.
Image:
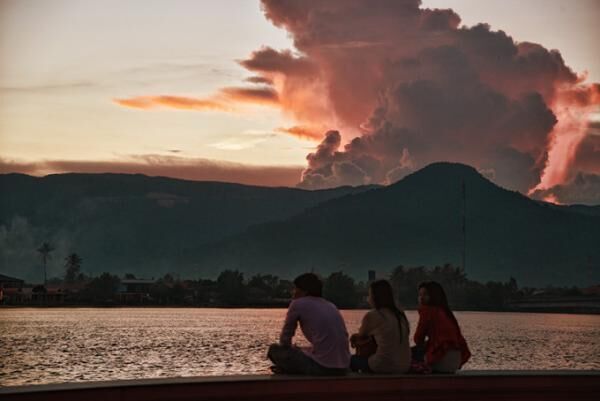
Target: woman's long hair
[(383, 297), (437, 297)]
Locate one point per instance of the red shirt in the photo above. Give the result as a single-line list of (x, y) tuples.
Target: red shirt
[(442, 335)]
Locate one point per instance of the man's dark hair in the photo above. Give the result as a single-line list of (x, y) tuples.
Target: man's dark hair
[(310, 284)]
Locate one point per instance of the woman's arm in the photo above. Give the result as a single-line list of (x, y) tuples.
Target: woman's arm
[(365, 329), (422, 327), (366, 325)]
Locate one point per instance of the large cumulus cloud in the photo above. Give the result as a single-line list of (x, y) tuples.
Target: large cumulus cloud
[(405, 86)]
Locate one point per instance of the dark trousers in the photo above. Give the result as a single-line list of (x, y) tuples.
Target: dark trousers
[(291, 360), (417, 353), (360, 364)]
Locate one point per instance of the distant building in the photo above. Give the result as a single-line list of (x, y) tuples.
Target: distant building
[(135, 290), (15, 296), (372, 275), (375, 275), (51, 295), (10, 282), (11, 290)]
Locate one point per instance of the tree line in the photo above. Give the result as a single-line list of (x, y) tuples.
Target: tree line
[(233, 288)]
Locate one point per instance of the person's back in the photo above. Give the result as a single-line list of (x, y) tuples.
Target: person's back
[(441, 330), (387, 324), (393, 348), (322, 325)]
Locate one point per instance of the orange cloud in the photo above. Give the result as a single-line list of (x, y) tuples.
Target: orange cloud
[(573, 108), (175, 102), (302, 132), (224, 100), (140, 102)]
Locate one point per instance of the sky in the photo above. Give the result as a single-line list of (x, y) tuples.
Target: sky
[(161, 87)]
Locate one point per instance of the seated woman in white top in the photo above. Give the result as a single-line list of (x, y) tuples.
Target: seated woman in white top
[(388, 326)]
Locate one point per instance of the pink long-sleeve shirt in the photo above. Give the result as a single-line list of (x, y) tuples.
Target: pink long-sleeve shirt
[(323, 326)]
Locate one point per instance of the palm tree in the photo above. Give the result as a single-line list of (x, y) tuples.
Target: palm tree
[(45, 251), (72, 266)]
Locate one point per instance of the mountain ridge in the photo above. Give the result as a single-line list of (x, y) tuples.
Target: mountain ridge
[(152, 225), (157, 218), (417, 221)]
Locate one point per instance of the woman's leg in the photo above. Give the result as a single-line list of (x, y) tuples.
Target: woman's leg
[(417, 353), (450, 363), (359, 364)]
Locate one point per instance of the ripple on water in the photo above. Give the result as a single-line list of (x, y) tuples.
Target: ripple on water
[(70, 345)]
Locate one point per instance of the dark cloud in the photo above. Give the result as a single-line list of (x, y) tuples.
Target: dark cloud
[(583, 189), (594, 128), (587, 157), (452, 116), (265, 95), (259, 80), (272, 61)]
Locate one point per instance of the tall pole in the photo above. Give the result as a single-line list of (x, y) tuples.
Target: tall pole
[(590, 269), (464, 224), (45, 274)]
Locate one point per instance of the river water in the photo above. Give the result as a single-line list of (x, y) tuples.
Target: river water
[(89, 344)]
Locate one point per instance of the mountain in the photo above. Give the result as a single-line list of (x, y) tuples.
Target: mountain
[(583, 209), (131, 223), (151, 225), (417, 221)]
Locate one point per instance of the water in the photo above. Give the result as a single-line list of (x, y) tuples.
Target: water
[(71, 345)]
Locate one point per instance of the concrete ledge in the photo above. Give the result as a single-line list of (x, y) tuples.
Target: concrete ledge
[(468, 385)]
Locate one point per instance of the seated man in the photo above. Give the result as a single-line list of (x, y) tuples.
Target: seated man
[(322, 325)]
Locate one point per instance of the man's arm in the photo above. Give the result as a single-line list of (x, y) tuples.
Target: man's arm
[(289, 326)]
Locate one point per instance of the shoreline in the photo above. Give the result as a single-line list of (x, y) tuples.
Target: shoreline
[(225, 307)]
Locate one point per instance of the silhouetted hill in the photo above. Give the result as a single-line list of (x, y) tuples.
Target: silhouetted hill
[(583, 209), (150, 225), (130, 223), (417, 221)]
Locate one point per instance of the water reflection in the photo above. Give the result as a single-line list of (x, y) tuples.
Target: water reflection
[(65, 345)]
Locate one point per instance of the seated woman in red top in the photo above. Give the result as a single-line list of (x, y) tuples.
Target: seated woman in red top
[(438, 332)]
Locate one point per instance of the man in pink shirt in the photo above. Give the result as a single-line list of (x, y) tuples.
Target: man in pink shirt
[(322, 325)]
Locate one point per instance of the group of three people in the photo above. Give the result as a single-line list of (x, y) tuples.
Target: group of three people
[(383, 334)]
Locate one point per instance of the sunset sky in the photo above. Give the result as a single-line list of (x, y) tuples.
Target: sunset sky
[(161, 87)]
